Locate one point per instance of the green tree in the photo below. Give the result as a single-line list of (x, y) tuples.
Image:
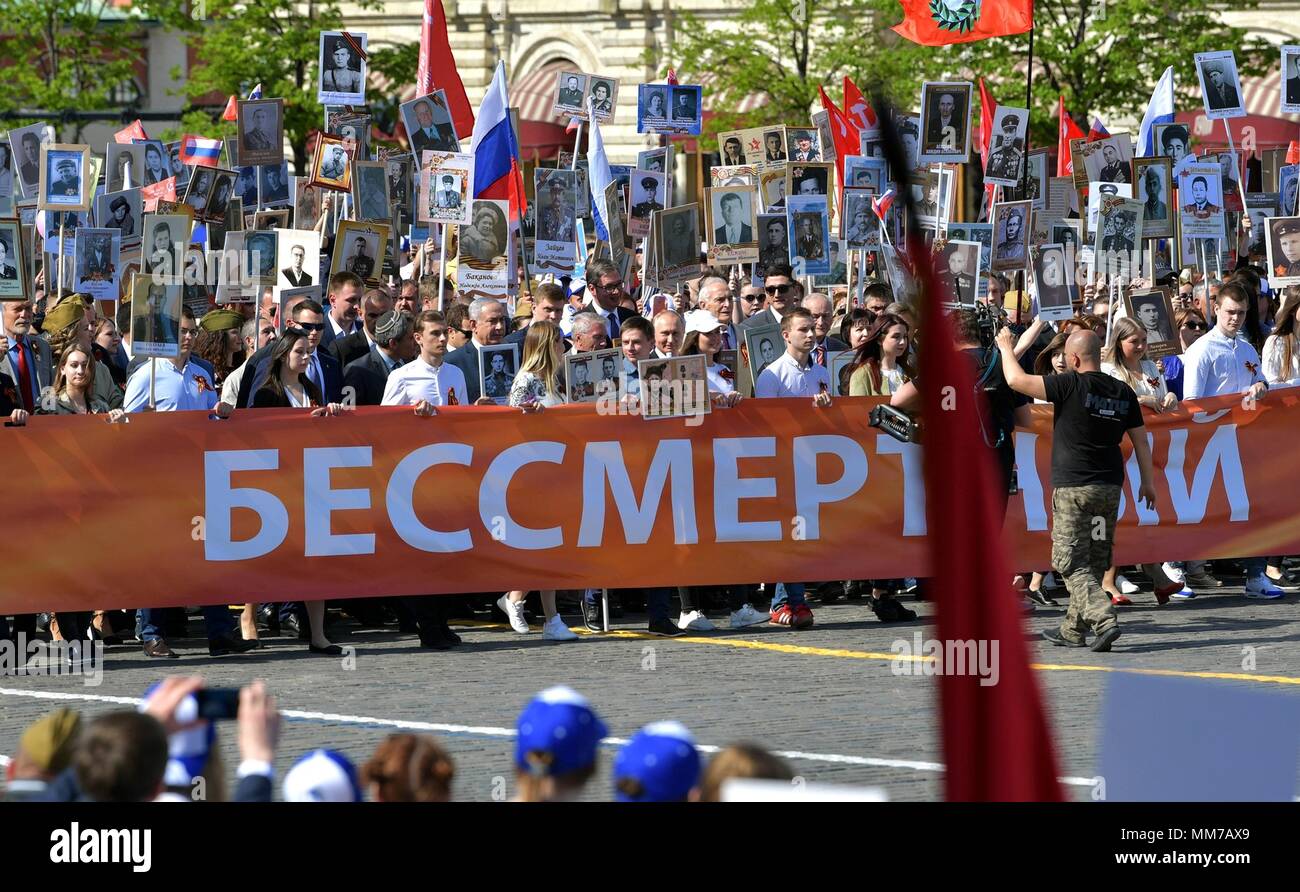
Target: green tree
[(63, 56)]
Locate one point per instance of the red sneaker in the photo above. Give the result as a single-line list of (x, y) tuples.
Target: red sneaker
[(1121, 601), (782, 616), (803, 617)]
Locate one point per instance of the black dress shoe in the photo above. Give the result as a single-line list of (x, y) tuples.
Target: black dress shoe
[(436, 642), (448, 634), (665, 628), (1101, 644), (220, 647), (888, 610), (289, 626), (330, 650), (268, 619), (1036, 595), (158, 649)]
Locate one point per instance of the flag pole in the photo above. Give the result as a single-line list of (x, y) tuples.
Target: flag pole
[(1029, 108)]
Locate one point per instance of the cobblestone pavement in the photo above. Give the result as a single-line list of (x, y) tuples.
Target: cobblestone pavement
[(826, 697)]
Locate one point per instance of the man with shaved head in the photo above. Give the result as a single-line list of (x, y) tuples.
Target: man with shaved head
[(1092, 413)]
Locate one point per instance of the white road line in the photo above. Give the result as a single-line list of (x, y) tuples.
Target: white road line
[(488, 731)]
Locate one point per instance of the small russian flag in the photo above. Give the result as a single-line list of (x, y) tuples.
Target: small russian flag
[(231, 112), (882, 204), (1098, 130), (200, 151)]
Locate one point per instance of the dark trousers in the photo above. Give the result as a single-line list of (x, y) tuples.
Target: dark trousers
[(217, 619), (736, 596), (429, 612)]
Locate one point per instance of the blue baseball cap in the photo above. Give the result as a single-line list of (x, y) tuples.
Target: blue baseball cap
[(187, 750), (660, 760), (560, 725), (322, 776)]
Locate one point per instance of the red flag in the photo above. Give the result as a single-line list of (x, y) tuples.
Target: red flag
[(1293, 153), (1068, 131), (984, 139), (844, 133), (232, 109), (996, 742), (437, 69), (856, 108), (134, 130), (672, 77), (936, 23)]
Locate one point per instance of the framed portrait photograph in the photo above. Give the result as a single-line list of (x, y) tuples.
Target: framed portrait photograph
[(428, 124), (1230, 177), (858, 224), (1288, 189), (1053, 281), (1109, 160), (655, 160), (652, 108), (125, 166), (556, 197), (155, 317), (803, 145), (96, 253), (731, 148), (297, 257), (65, 178), (122, 211), (306, 203), (771, 188), (1283, 251), (838, 363), (808, 179), (589, 376), (570, 94), (1220, 85), (686, 108), (957, 270), (446, 184), (677, 234), (839, 266), (13, 272), (1034, 186), (774, 145), (602, 97), (285, 296), (647, 191), (273, 186), (260, 248), (163, 249), (773, 242), (497, 366), (341, 68), (1259, 207), (732, 220), (246, 187), (360, 248), (260, 125), (268, 220), (200, 187), (612, 211), (1006, 164), (485, 249), (181, 172), (157, 163), (821, 121), (223, 190), (945, 112), (1068, 234), (1096, 195), (808, 220), (331, 166), (401, 187), (26, 144), (195, 292), (370, 199), (675, 387), (763, 346), (1172, 141), (866, 172), (1118, 238), (1290, 98), (1200, 199), (1010, 236), (1152, 185), (354, 130), (1154, 311)]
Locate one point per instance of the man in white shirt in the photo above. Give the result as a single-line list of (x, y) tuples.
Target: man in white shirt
[(794, 374), (427, 382), (1223, 362), (669, 333), (715, 296)]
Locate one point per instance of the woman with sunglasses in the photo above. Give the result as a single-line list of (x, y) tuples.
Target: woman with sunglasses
[(1191, 325)]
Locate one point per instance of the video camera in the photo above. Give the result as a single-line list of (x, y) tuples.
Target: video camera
[(895, 422)]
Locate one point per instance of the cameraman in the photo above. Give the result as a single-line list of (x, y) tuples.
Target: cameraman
[(1000, 408)]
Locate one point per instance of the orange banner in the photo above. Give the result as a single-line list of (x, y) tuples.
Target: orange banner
[(274, 505)]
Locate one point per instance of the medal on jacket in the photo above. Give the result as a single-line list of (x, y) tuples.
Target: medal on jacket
[(202, 383)]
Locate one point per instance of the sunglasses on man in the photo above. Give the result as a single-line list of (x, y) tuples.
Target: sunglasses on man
[(777, 289)]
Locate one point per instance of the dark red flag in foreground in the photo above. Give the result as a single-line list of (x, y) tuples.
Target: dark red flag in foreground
[(996, 743), (437, 69)]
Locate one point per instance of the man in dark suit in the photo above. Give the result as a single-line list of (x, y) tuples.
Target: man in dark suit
[(30, 169), (428, 135), (1293, 79), (571, 94), (348, 349), (1219, 91), (945, 120), (364, 378), (295, 275), (820, 307), (360, 262), (607, 295), (782, 297), (344, 303), (488, 317), (27, 361), (98, 264), (733, 231)]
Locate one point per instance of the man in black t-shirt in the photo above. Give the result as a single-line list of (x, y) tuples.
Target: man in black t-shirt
[(1093, 413)]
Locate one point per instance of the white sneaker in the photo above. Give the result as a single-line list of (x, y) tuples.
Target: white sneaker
[(514, 611), (1175, 574), (747, 616), (554, 629), (694, 622), (1262, 588), (1125, 587)]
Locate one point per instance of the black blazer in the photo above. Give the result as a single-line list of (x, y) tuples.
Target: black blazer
[(367, 378), (351, 348), (269, 398), (331, 371), (466, 359)]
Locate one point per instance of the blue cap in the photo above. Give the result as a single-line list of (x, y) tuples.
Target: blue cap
[(322, 776), (662, 759), (187, 750), (558, 722)]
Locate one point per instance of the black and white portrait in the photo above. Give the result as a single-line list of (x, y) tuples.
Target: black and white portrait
[(1109, 160), (96, 252), (1290, 104), (485, 240), (163, 250), (1053, 281), (196, 196), (678, 233), (945, 131), (342, 69), (63, 184), (685, 104), (651, 106), (603, 96), (273, 185), (1153, 311), (157, 163), (121, 211), (774, 148), (1220, 85), (773, 241), (26, 143), (732, 220), (498, 364), (297, 257), (957, 272), (370, 191), (1152, 187), (12, 279), (125, 166), (647, 188), (570, 93), (808, 179), (223, 189), (556, 198), (1007, 149), (1010, 236), (261, 131)]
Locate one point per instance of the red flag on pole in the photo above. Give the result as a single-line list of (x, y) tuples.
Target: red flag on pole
[(984, 139), (1293, 153), (437, 70), (844, 133), (1068, 130), (856, 108), (231, 112), (134, 130), (936, 23)]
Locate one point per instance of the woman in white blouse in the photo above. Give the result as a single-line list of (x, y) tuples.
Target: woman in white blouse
[(1125, 358), (536, 386), (704, 337), (1282, 349)]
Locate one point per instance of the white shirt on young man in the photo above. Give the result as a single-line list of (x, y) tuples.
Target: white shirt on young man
[(175, 390), (786, 377), (443, 385), (1217, 364)]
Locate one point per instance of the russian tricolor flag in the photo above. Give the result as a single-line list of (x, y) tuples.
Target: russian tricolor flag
[(496, 156), (199, 151), (882, 204)]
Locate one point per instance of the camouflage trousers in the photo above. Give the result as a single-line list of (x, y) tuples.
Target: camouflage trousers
[(1083, 532)]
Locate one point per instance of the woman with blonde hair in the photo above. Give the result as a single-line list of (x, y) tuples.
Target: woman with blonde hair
[(1125, 358), (536, 387)]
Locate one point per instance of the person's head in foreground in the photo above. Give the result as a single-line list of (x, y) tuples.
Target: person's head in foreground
[(409, 768), (555, 751), (322, 776), (740, 760), (659, 764)]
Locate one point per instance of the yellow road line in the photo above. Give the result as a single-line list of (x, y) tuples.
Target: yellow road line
[(843, 653)]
